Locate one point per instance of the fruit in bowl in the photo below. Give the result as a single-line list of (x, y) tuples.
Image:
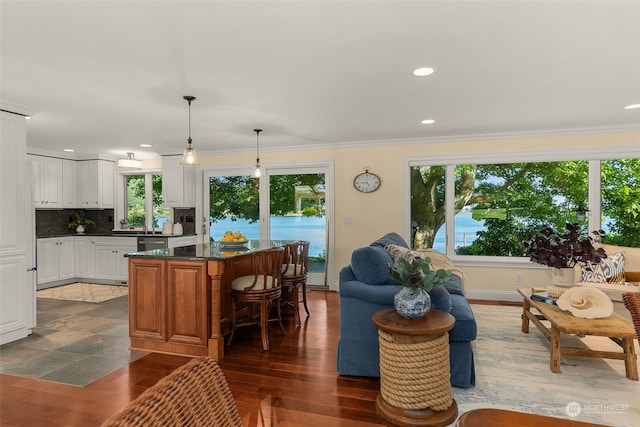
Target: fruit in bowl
[(233, 236)]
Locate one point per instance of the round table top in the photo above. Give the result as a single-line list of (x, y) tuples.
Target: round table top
[(435, 322)]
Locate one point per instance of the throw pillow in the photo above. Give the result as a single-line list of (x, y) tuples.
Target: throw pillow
[(396, 252), (610, 269)]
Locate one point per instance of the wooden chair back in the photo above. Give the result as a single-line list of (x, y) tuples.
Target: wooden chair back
[(266, 272), (196, 394), (296, 259)]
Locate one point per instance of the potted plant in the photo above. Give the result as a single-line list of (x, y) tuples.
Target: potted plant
[(563, 250), (417, 278), (79, 222)]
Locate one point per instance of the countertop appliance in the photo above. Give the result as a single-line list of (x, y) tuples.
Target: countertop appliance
[(147, 243)]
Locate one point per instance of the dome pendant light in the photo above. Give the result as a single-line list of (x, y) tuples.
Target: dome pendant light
[(129, 163), (189, 156), (258, 171)]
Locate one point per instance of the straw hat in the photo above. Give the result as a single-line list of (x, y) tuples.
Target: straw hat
[(586, 302)]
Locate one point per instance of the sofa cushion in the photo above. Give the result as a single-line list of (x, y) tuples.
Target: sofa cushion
[(370, 264), (440, 299), (454, 286)]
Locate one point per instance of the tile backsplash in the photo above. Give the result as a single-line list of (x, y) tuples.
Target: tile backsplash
[(53, 222)]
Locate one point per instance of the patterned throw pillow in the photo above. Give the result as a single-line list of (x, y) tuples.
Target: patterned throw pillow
[(610, 269)]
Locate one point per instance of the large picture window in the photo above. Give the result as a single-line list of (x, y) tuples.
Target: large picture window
[(490, 209)]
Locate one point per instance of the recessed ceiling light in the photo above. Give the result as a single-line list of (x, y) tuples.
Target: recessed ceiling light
[(27, 117), (145, 145), (632, 106), (428, 121), (69, 150), (423, 71)]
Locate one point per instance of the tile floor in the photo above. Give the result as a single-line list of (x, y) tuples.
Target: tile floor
[(74, 343)]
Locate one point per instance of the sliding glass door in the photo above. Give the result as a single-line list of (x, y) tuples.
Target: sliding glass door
[(285, 204)]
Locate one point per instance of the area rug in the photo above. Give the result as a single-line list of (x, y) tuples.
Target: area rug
[(85, 292), (512, 372)]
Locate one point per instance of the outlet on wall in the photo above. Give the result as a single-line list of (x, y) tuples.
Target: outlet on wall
[(518, 277)]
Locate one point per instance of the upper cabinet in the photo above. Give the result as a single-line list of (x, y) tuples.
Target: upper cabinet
[(178, 183), (96, 182), (69, 184), (47, 182)]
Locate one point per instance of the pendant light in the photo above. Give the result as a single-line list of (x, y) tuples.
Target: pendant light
[(258, 171), (129, 163), (189, 156)]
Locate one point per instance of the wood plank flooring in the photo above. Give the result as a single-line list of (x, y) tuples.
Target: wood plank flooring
[(293, 384)]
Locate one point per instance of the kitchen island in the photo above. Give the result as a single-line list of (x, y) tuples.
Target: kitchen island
[(180, 298)]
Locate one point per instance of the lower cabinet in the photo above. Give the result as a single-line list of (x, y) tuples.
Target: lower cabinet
[(84, 257), (168, 305), (109, 254), (55, 259)]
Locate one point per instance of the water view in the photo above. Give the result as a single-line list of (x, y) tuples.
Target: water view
[(312, 229), (282, 228)]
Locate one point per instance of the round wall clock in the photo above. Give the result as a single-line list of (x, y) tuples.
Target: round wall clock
[(366, 182)]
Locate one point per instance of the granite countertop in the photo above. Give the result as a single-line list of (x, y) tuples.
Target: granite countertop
[(208, 251)]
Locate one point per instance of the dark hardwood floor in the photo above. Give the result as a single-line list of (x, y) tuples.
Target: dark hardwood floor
[(293, 384)]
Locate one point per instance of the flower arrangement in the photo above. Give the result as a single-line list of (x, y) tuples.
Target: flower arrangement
[(564, 249)]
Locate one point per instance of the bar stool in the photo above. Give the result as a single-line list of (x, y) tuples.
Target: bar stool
[(294, 276), (261, 288)]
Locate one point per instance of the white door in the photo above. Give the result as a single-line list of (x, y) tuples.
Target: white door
[(17, 243)]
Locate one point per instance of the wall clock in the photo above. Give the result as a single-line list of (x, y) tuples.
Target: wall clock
[(366, 182)]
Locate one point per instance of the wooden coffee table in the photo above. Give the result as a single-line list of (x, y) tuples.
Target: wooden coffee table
[(492, 417), (615, 327)]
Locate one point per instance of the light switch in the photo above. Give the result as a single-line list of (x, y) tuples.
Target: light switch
[(347, 220)]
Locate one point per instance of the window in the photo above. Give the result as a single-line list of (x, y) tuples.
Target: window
[(143, 201), (490, 209)]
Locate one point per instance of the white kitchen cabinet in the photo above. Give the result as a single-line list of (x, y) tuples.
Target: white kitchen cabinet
[(96, 184), (85, 257), (55, 259), (47, 182), (111, 264), (70, 184), (178, 183)]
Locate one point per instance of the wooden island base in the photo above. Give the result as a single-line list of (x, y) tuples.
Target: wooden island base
[(180, 299)]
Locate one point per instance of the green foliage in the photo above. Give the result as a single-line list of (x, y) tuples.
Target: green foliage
[(418, 274), (78, 219), (238, 196), (515, 199)]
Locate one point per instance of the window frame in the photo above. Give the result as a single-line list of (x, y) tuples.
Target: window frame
[(120, 210), (592, 155)]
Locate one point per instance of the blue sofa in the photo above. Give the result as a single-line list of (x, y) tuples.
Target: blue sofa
[(366, 287)]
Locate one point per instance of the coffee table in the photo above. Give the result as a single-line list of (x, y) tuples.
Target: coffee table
[(492, 417), (615, 327)]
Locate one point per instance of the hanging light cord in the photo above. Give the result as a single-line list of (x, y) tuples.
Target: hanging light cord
[(189, 140), (257, 131)]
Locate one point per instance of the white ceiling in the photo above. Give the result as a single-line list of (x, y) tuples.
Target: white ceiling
[(106, 76)]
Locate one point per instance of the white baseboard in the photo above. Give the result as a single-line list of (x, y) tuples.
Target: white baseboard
[(481, 294)]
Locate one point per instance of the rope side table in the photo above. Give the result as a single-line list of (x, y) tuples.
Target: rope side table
[(415, 387)]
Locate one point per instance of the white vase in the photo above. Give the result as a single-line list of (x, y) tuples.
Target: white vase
[(412, 306), (80, 229), (562, 277)]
